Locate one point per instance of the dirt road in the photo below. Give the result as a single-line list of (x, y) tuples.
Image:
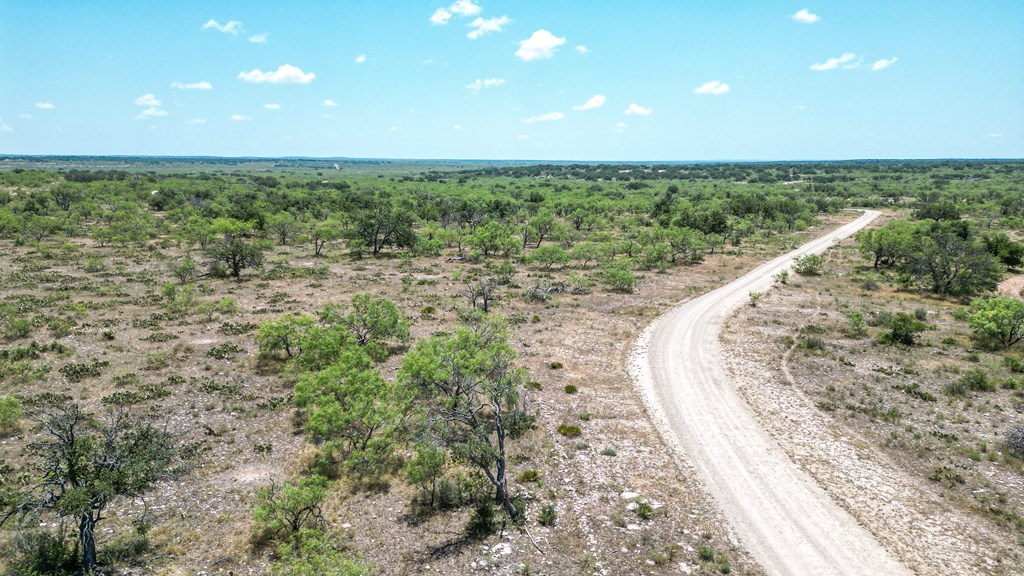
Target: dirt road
[(783, 518)]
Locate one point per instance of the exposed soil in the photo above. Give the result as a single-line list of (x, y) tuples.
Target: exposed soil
[(874, 425)]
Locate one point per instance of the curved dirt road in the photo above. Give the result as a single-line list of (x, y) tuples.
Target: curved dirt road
[(785, 520)]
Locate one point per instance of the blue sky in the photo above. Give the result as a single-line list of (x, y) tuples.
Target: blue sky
[(567, 80)]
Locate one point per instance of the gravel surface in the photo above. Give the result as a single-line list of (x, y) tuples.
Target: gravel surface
[(783, 517)]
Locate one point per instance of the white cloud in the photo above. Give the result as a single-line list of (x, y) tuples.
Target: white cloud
[(833, 63), (204, 85), (26, 116), (151, 112), (259, 38), (45, 105), (4, 127), (549, 117), (883, 64), (285, 74), (582, 49), (995, 135), (240, 118), (541, 45), (233, 27), (197, 121), (465, 8), (360, 59), (637, 110), (619, 127), (805, 17), (799, 107), (272, 106), (596, 101), (440, 17), (713, 87), (457, 128), (393, 129), (328, 103), (482, 26), (479, 84), (147, 100)]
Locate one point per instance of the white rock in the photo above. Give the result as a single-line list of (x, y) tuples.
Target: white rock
[(628, 495)]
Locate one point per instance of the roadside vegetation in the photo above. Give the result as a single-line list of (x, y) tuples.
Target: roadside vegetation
[(304, 348)]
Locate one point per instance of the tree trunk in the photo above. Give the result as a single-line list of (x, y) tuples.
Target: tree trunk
[(86, 537)]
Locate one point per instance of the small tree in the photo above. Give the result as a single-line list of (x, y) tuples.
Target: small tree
[(282, 510), (285, 334), (84, 464), (371, 320), (997, 321), (618, 278), (232, 246), (352, 411), (481, 292), (473, 396)]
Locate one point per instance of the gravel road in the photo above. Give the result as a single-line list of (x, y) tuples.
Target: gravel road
[(789, 524)]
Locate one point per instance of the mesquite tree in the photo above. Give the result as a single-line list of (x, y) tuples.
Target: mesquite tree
[(82, 464), (473, 395)]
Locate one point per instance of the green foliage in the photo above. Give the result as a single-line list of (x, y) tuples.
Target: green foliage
[(472, 395), (975, 380), (88, 463), (426, 469), (547, 256), (618, 278), (10, 414), (283, 335), (782, 277), (282, 510), (998, 321), (372, 321), (856, 328), (570, 430), (352, 411), (903, 329), (754, 298), (316, 553), (185, 270), (75, 373), (483, 522), (39, 552), (808, 265), (233, 246), (548, 515)]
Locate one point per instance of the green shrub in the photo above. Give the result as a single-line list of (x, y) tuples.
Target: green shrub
[(315, 553), (809, 265), (618, 278), (644, 510), (903, 329), (556, 365), (483, 522), (548, 515), (17, 327), (706, 553), (531, 475), (10, 414), (974, 380), (571, 389), (282, 510), (569, 431)]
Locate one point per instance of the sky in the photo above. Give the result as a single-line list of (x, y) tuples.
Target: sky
[(592, 80)]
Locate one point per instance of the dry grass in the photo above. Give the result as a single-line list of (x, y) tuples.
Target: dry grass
[(231, 405)]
